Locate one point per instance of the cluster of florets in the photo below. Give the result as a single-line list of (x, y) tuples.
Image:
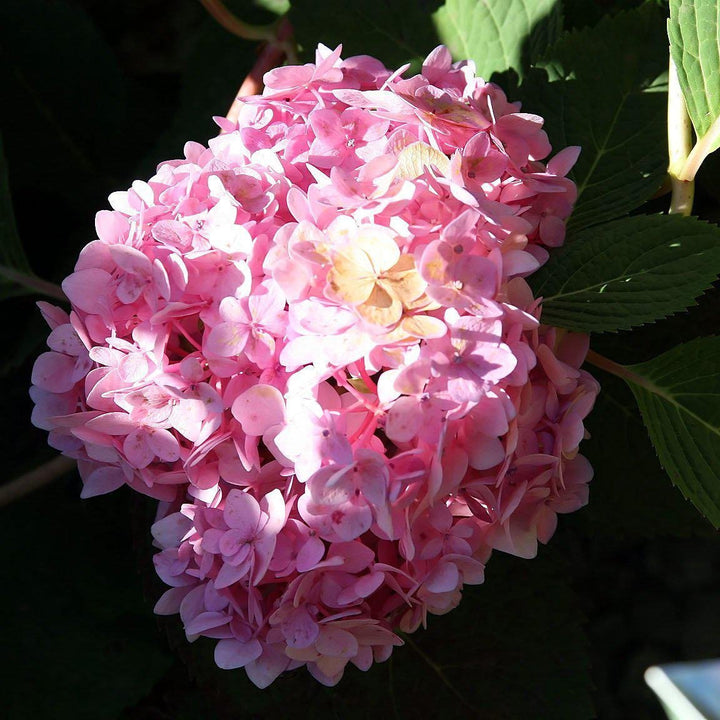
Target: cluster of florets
[(313, 342)]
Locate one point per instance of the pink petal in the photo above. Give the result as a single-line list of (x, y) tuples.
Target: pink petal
[(299, 629), (164, 444), (336, 642), (259, 408), (231, 653), (170, 600), (310, 554), (136, 449), (101, 481), (267, 667), (444, 578), (227, 339), (242, 512), (170, 531), (229, 575), (54, 372), (87, 289), (485, 452)]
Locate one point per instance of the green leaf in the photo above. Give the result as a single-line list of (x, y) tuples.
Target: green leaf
[(277, 7), (498, 35), (628, 272), (602, 101), (214, 66), (630, 495), (679, 397), (395, 32), (694, 32)]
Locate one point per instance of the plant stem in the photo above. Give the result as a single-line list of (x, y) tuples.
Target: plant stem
[(43, 475), (235, 25), (679, 146), (437, 670), (616, 369), (703, 147), (270, 56), (33, 283)]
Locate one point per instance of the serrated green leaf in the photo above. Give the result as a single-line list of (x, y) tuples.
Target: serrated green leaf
[(679, 397), (630, 495), (498, 35), (395, 32), (694, 32), (628, 272), (601, 100)]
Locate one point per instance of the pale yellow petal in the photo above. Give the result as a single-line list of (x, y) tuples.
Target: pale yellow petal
[(422, 303), (381, 308), (378, 245), (404, 280), (413, 160), (352, 289), (423, 326)]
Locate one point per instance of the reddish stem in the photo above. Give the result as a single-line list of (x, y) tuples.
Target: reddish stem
[(271, 55)]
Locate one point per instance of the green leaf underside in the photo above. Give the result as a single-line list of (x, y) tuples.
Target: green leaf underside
[(395, 32), (497, 35), (600, 102), (679, 398), (628, 272), (694, 32)]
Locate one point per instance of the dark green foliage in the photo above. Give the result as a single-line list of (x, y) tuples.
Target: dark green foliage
[(678, 396), (628, 272), (397, 31), (604, 105)]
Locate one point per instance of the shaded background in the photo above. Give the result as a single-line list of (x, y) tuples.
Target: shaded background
[(95, 93)]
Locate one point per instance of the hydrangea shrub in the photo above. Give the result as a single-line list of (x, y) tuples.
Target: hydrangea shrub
[(313, 342)]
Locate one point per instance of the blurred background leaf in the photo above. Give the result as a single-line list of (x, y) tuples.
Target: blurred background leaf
[(396, 31)]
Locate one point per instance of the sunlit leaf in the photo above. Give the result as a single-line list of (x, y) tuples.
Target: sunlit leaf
[(694, 32), (628, 272), (679, 397), (498, 34)]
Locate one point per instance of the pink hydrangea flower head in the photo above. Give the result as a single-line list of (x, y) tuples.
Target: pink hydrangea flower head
[(314, 343)]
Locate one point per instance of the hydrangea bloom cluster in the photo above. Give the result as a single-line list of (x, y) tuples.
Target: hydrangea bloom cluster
[(313, 342)]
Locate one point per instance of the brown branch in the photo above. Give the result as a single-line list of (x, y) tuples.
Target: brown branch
[(37, 478), (235, 25)]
